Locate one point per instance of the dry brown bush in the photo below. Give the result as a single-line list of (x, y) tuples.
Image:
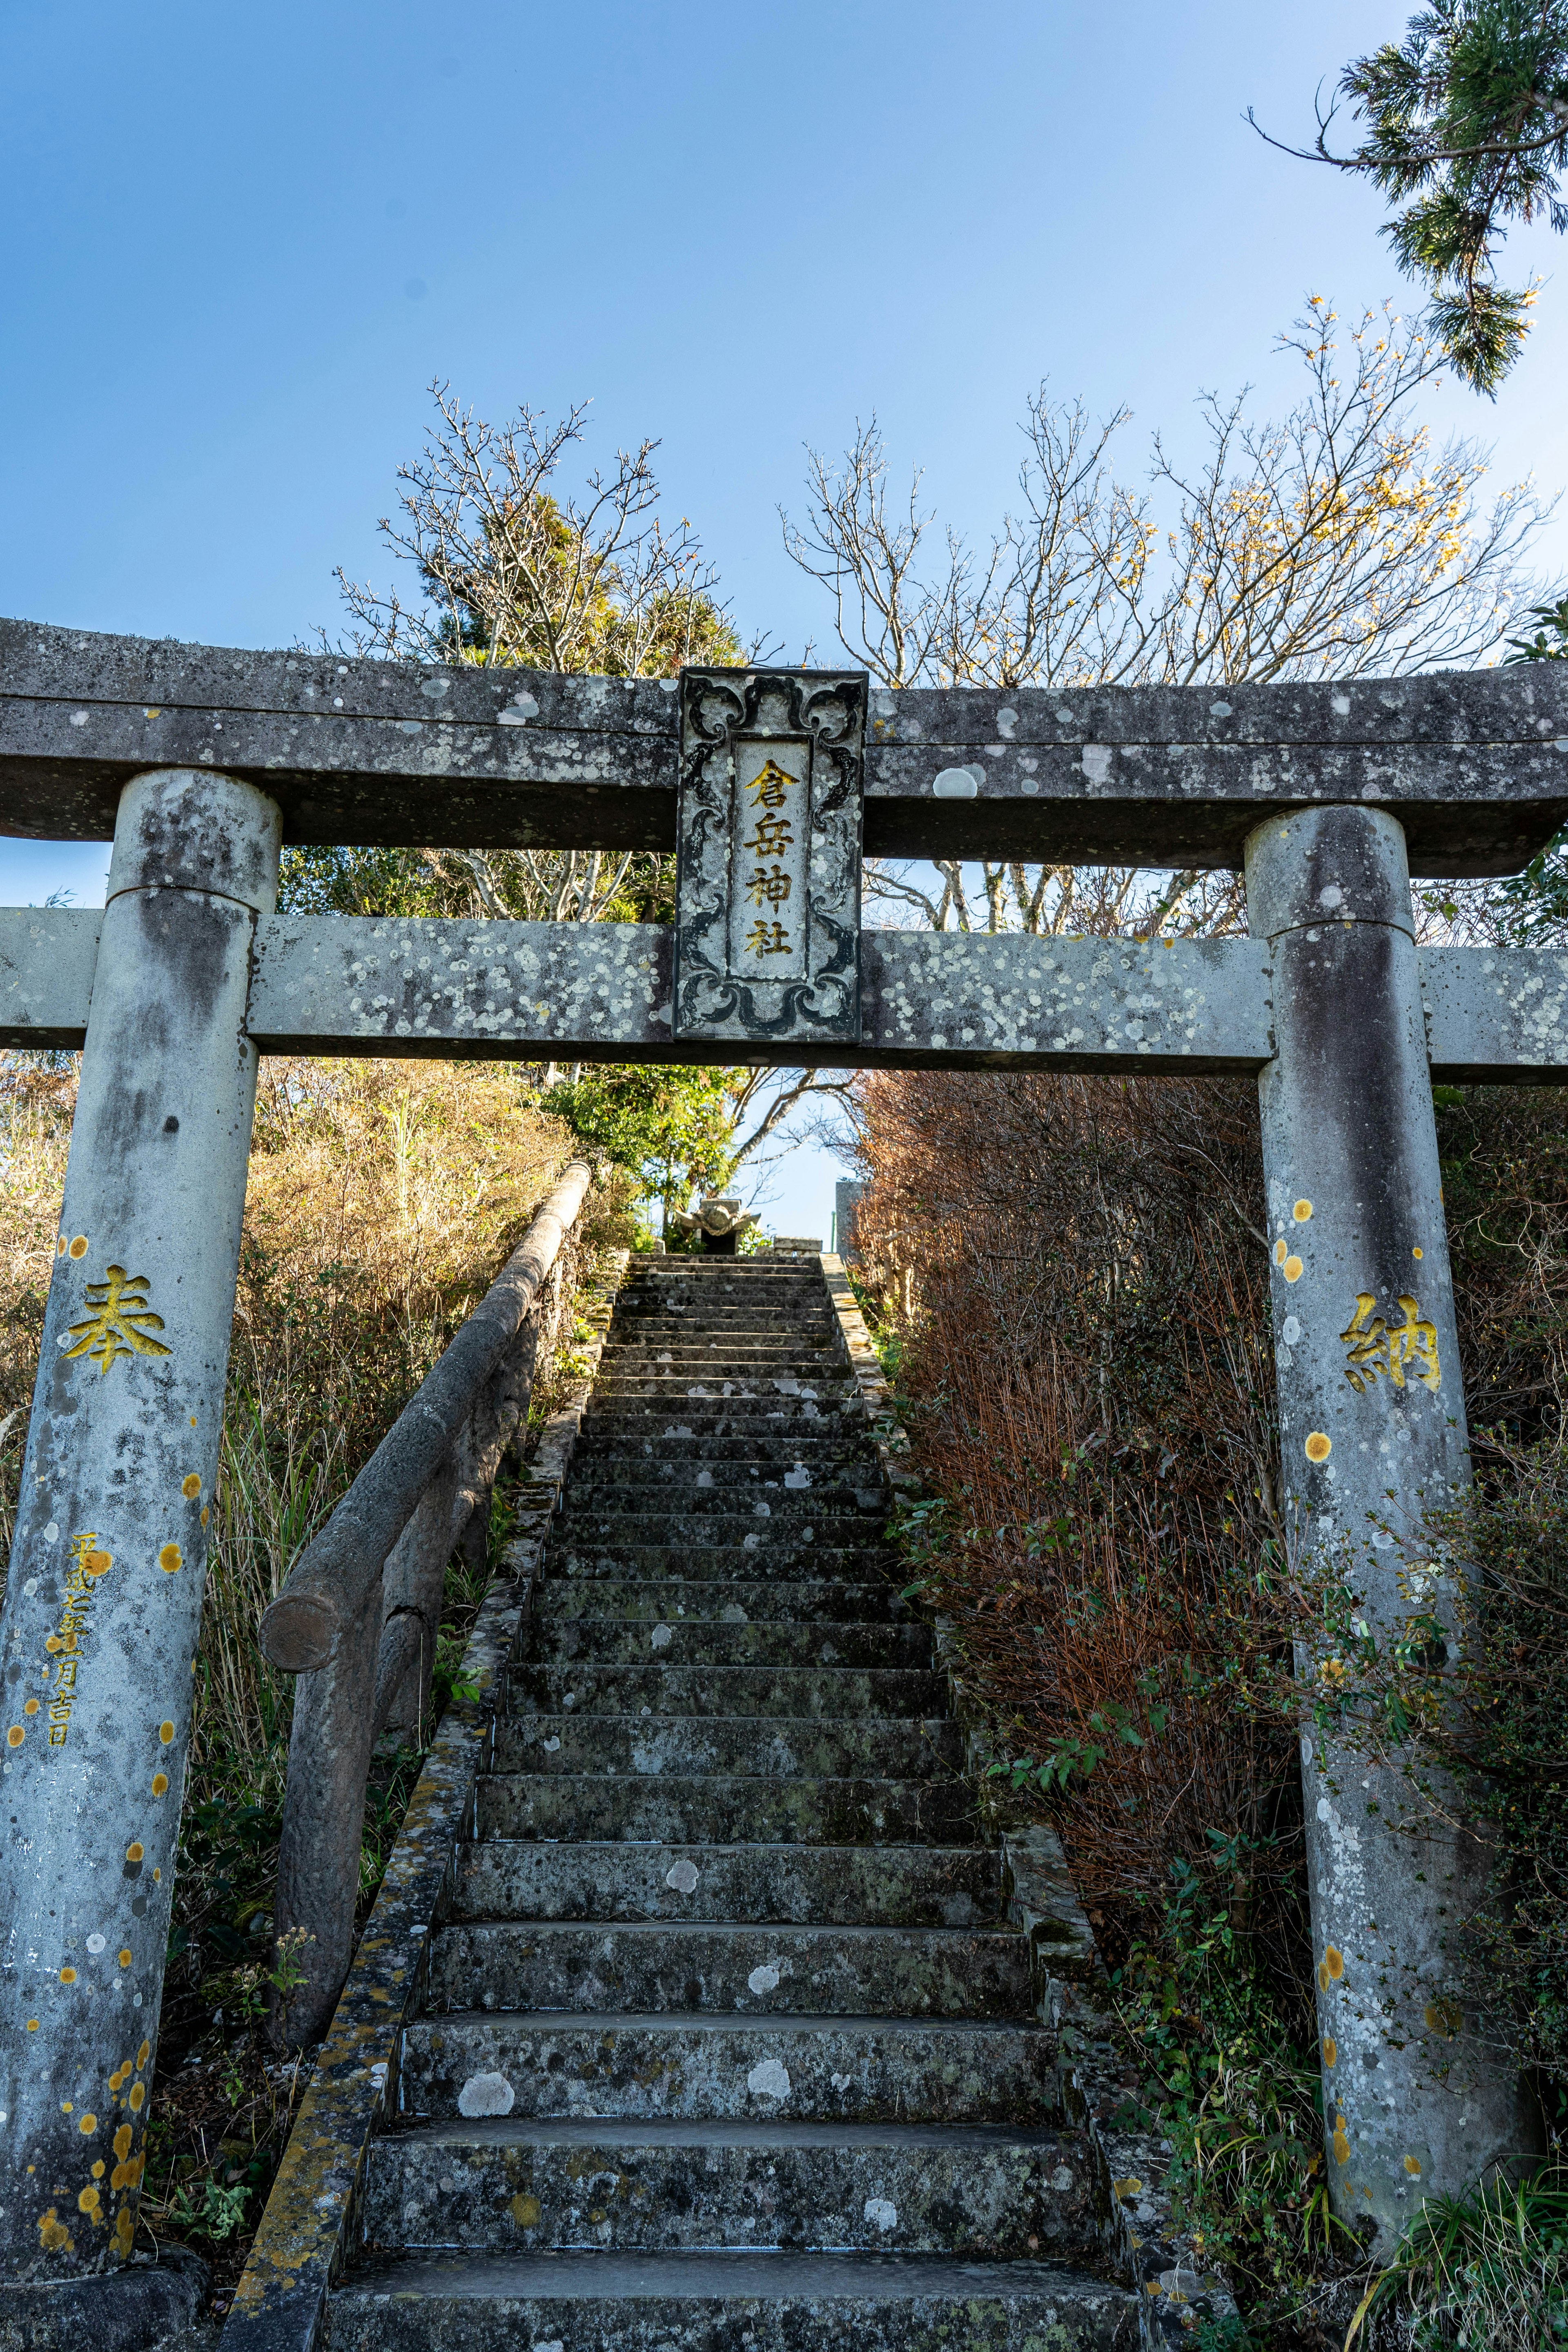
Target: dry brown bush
[(381, 1199), (1072, 1274), (1085, 1345)]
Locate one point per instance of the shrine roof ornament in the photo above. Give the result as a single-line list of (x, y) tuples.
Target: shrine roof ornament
[(1473, 763)]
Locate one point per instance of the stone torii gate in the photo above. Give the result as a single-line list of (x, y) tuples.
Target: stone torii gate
[(199, 763)]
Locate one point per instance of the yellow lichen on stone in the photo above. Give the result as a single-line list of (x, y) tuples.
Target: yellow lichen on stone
[(53, 2235)]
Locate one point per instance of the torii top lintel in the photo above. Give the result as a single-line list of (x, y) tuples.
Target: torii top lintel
[(1473, 763)]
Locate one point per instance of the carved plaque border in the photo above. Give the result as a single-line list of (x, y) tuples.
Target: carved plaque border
[(810, 725)]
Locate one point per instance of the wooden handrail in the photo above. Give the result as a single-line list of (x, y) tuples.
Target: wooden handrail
[(357, 1616)]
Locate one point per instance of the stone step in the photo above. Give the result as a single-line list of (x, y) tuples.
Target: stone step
[(825, 1602), (642, 1498), (984, 2193), (729, 2303), (765, 1377), (723, 1356), (685, 2066), (894, 1886), (832, 1690), (699, 1349), (772, 1521), (720, 1809), (743, 1970), (674, 1390), (706, 1316), (779, 1416), (646, 1483), (792, 1557), (787, 1750), (758, 1445), (675, 1642)]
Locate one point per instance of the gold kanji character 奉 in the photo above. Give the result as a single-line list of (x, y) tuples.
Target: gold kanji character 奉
[(1374, 1348), (768, 939), (121, 1322), (767, 786), (770, 884), (773, 833)]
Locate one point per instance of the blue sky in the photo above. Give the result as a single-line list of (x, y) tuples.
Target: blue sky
[(242, 241)]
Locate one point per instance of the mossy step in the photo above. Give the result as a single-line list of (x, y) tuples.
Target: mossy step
[(729, 2303), (686, 2066), (784, 1748), (725, 1807), (832, 1690), (745, 1971), (986, 2193), (697, 1642), (894, 1886), (824, 1601)]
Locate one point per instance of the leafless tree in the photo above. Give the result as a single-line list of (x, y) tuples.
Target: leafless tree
[(515, 569), (1332, 543)]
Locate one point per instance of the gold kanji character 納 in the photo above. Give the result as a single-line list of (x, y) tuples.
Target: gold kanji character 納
[(767, 786), (1374, 1348), (121, 1322), (768, 939), (773, 833), (770, 884)]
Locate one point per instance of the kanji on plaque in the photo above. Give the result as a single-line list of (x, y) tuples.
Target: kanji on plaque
[(772, 817), (772, 785)]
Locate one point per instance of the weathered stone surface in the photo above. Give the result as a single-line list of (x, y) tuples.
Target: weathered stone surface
[(677, 1641), (649, 1746), (47, 955), (675, 2065), (729, 1690), (982, 2195), (732, 2303), (347, 985), (1495, 1013), (861, 1971), (918, 1887), (149, 2307), (944, 997), (1473, 763), (712, 1808), (1417, 2095), (103, 1596)]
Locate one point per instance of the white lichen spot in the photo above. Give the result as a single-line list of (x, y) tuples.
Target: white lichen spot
[(882, 2213), (765, 1978), (841, 2082), (682, 1877), (486, 2095), (768, 2080), (661, 1637)]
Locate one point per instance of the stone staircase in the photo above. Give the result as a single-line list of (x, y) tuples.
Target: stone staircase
[(729, 2041)]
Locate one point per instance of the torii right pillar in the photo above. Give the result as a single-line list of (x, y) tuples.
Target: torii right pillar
[(1416, 2101)]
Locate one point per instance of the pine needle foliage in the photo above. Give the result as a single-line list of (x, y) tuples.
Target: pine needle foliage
[(1466, 133)]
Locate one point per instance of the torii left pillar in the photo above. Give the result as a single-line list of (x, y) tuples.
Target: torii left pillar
[(103, 1600)]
